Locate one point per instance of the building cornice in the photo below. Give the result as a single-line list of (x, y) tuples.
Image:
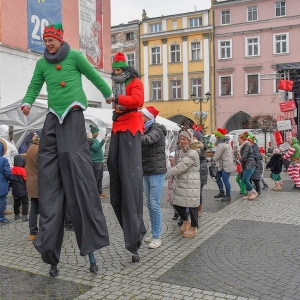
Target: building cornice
[(117, 28), (184, 31), (233, 2)]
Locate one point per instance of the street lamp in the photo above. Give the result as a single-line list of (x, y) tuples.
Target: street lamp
[(201, 100)]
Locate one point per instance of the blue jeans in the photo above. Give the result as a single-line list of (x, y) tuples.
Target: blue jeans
[(153, 188), (33, 216), (246, 179), (2, 206), (223, 177)]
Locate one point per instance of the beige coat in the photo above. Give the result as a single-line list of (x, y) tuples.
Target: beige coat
[(186, 191), (224, 156)]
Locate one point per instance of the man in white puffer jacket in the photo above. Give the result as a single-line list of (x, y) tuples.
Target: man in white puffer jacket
[(11, 148)]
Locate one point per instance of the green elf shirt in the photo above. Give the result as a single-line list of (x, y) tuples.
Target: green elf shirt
[(96, 150), (64, 85)]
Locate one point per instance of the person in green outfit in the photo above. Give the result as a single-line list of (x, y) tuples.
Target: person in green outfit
[(65, 170), (97, 156), (239, 171)]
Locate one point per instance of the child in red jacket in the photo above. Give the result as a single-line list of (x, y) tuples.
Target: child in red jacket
[(19, 191)]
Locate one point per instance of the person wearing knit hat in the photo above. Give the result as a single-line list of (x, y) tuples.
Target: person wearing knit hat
[(64, 156), (154, 171), (96, 150), (248, 164), (124, 159), (224, 157), (186, 192), (275, 165)]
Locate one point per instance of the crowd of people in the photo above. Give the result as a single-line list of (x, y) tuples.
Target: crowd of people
[(62, 170)]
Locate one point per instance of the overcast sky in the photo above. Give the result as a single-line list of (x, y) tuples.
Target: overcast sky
[(123, 11)]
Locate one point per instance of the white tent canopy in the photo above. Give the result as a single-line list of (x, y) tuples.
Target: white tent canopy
[(12, 115)]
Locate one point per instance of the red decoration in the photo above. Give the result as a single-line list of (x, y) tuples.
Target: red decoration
[(63, 84), (58, 67), (262, 150), (286, 85), (287, 105), (120, 57), (278, 137)]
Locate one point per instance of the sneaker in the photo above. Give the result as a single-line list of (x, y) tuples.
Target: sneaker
[(176, 216), (25, 218), (226, 199), (103, 195), (155, 243), (265, 187), (148, 239), (17, 217), (7, 212), (4, 221)]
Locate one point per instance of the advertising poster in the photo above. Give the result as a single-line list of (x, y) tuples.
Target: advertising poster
[(90, 31), (41, 13)]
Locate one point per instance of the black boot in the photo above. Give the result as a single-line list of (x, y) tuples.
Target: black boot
[(180, 221), (135, 258), (225, 199), (265, 187), (220, 195), (93, 268), (53, 271), (176, 215)]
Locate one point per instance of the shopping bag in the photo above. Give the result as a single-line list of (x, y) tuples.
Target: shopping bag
[(213, 170)]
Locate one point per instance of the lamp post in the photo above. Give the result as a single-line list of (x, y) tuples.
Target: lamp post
[(201, 100)]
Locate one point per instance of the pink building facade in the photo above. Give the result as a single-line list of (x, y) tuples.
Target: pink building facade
[(253, 39)]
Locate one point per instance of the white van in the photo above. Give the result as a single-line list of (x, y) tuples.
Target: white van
[(260, 137)]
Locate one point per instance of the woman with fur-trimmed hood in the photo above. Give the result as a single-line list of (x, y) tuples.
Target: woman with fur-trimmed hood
[(186, 192)]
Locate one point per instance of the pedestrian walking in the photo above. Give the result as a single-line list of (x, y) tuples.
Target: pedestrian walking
[(248, 165), (97, 156), (186, 193), (256, 175), (238, 169), (275, 165), (18, 187), (66, 177), (224, 157), (32, 185), (154, 171), (5, 177), (124, 160), (294, 156)]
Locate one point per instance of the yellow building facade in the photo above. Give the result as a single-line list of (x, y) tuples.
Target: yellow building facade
[(176, 60)]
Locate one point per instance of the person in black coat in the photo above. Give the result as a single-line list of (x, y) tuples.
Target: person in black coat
[(275, 165)]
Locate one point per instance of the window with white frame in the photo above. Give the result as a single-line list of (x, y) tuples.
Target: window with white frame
[(196, 51), (195, 22), (176, 89), (175, 53), (174, 24), (130, 59), (280, 8), (157, 27), (225, 17), (156, 90), (155, 55), (225, 49), (252, 46), (252, 13), (281, 43), (196, 85), (226, 85), (252, 84)]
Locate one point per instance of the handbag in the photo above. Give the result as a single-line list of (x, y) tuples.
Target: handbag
[(213, 170)]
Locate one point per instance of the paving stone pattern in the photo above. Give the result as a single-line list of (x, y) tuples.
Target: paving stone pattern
[(244, 258), (119, 278)]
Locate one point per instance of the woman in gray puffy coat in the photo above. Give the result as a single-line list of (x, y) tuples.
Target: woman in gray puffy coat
[(186, 192)]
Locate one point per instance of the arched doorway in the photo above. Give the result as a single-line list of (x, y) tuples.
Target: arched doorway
[(239, 120), (180, 119)]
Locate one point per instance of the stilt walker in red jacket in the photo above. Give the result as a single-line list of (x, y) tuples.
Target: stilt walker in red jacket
[(125, 154)]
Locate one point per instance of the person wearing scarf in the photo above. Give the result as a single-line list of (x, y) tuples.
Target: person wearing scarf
[(248, 165), (124, 160), (65, 170)]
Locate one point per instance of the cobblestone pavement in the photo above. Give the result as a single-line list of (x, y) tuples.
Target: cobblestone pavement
[(244, 250)]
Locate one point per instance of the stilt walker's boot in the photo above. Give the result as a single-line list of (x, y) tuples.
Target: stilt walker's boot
[(53, 271), (93, 265), (135, 258)]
